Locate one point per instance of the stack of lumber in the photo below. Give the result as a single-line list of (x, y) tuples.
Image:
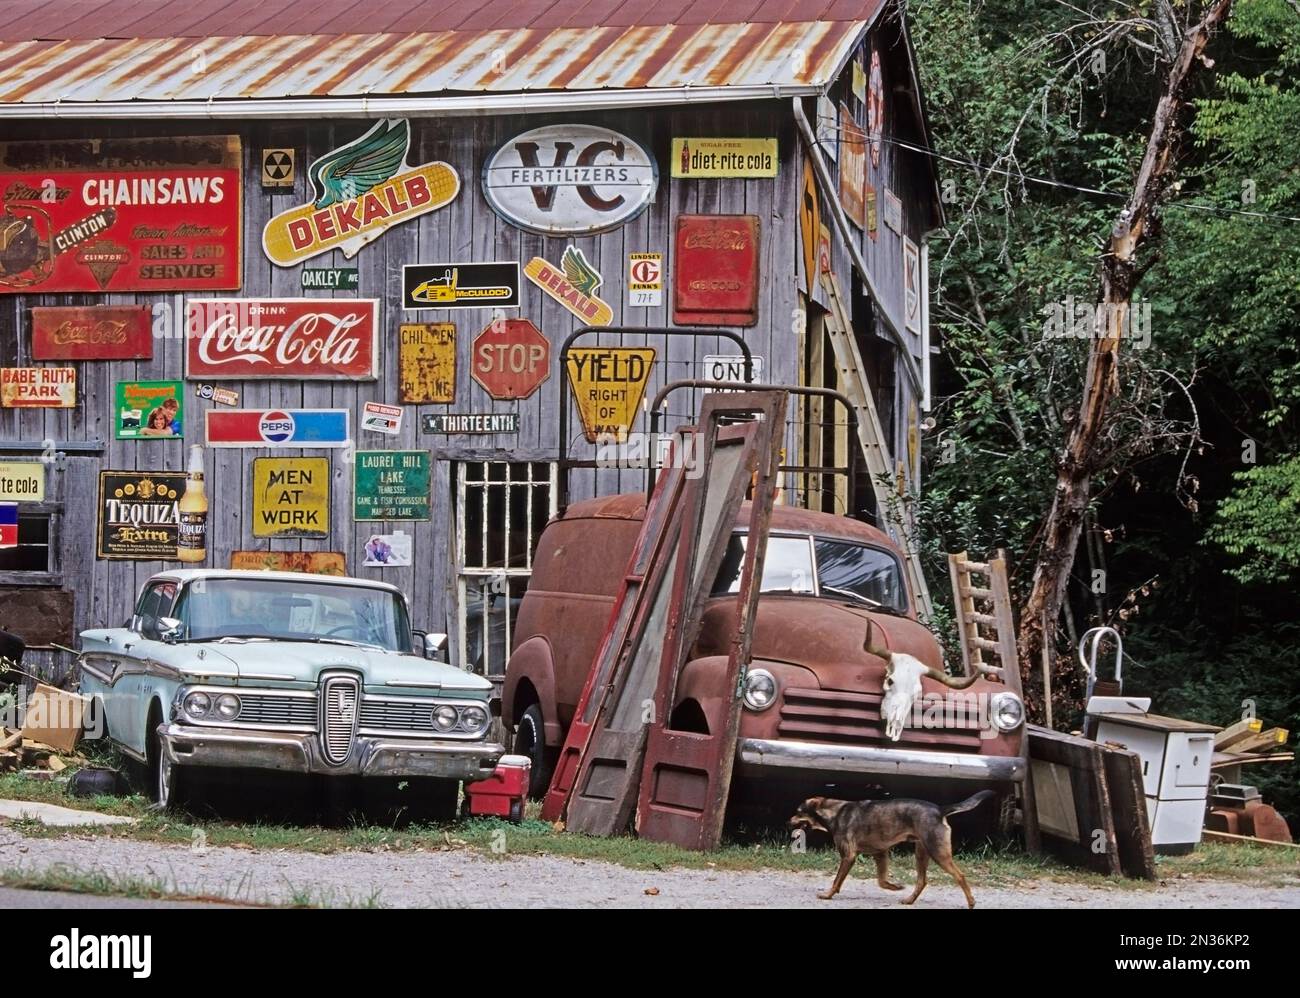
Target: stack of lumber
[(1249, 742), (33, 758)]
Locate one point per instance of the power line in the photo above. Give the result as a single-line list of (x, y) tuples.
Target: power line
[(1048, 182)]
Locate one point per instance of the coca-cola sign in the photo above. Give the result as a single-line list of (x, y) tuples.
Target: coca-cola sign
[(238, 338), (92, 332)]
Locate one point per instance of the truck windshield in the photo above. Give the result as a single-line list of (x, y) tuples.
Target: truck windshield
[(212, 609), (820, 566)]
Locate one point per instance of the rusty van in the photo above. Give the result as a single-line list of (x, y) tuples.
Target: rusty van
[(811, 717)]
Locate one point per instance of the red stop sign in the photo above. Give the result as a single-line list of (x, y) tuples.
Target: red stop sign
[(510, 358)]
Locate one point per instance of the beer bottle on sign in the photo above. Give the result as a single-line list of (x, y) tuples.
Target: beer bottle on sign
[(686, 157), (192, 539)]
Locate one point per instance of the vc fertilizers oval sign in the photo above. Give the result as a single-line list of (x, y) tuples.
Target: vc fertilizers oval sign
[(569, 179)]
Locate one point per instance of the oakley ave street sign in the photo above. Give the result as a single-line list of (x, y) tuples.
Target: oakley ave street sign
[(608, 384), (570, 180)]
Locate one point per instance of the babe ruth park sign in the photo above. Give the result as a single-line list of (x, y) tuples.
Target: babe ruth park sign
[(608, 384)]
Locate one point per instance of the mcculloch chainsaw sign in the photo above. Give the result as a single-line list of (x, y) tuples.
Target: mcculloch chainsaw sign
[(361, 190)]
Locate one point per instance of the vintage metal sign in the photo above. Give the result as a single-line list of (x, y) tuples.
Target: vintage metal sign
[(388, 550), (470, 422), (809, 224), (645, 279), (391, 485), (608, 384), (120, 215), (460, 285), (853, 169), (291, 497), (221, 396), (869, 198), (91, 332), (315, 562), (716, 278), (146, 410), (8, 525), (510, 359), (282, 338), (22, 481), (138, 515), (380, 418), (893, 211), (700, 157), (911, 285), (570, 180), (859, 81), (730, 367), (574, 285), (276, 427), (38, 387), (330, 279), (426, 363), (828, 128), (361, 190), (277, 168), (875, 108)]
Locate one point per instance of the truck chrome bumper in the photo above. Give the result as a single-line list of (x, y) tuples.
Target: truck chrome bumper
[(769, 754), (299, 752)]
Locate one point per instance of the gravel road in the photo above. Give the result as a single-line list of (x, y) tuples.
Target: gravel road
[(459, 878)]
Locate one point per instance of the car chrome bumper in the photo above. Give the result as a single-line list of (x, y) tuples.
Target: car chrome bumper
[(768, 754), (299, 752)]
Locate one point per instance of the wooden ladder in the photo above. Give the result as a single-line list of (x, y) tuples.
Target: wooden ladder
[(853, 383), (986, 625)]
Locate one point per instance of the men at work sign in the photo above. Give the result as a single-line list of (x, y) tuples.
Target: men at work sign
[(361, 189), (291, 497), (120, 215)]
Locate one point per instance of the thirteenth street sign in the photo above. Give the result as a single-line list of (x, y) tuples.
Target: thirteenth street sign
[(391, 485)]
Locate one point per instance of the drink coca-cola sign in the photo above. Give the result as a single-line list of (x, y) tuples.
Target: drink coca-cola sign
[(237, 338)]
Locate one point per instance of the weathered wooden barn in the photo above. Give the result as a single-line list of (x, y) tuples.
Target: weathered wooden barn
[(395, 217)]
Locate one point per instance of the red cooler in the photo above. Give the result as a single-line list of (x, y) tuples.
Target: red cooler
[(502, 794)]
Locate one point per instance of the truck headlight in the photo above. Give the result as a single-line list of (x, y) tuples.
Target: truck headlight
[(474, 719), (198, 704), (228, 706), (1006, 711), (760, 689)]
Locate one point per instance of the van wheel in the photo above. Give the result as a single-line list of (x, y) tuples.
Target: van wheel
[(530, 740), (166, 780)]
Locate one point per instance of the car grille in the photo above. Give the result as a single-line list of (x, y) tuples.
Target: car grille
[(854, 719), (273, 709), (339, 717), (396, 715)]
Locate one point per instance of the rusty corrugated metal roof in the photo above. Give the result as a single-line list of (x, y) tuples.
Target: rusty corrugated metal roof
[(164, 50)]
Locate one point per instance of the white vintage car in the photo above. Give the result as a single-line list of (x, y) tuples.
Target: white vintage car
[(290, 672)]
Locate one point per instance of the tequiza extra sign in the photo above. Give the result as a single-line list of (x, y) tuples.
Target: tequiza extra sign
[(570, 180)]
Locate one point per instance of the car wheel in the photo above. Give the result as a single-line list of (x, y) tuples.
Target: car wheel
[(530, 740), (167, 779)]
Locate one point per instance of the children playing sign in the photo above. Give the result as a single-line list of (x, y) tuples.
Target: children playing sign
[(148, 410)]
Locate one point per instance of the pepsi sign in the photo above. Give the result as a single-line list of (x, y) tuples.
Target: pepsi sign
[(277, 427)]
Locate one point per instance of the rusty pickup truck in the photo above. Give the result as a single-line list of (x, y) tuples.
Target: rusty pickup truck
[(812, 693)]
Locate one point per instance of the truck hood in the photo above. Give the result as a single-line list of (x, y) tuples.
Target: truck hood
[(821, 635)]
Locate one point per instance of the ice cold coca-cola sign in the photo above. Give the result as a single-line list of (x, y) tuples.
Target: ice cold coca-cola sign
[(236, 338)]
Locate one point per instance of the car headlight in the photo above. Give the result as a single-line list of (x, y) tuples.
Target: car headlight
[(474, 719), (1006, 711), (760, 689), (445, 717), (228, 706), (198, 704)]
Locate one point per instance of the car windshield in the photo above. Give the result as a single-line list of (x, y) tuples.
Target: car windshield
[(820, 566), (249, 609)]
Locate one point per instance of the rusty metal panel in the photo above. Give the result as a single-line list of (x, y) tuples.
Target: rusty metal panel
[(686, 776), (715, 278), (92, 332), (234, 59)]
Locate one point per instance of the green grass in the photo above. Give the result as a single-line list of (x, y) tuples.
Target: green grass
[(490, 838)]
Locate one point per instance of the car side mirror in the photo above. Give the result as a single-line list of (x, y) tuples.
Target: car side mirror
[(434, 645), (170, 629)]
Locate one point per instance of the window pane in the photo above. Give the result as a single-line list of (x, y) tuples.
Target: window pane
[(864, 571), (787, 567)]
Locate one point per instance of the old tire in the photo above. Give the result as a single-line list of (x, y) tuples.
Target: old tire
[(166, 780), (530, 740)]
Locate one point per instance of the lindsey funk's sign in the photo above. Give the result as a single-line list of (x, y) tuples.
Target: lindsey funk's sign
[(361, 190)]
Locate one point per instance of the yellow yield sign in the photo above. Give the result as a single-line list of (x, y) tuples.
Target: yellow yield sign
[(608, 383)]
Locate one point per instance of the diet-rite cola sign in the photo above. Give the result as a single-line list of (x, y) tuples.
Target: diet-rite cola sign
[(238, 338), (570, 180)]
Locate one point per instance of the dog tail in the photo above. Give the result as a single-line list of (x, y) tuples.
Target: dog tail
[(969, 804)]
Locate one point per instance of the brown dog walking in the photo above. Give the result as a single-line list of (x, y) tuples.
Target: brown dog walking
[(875, 826)]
